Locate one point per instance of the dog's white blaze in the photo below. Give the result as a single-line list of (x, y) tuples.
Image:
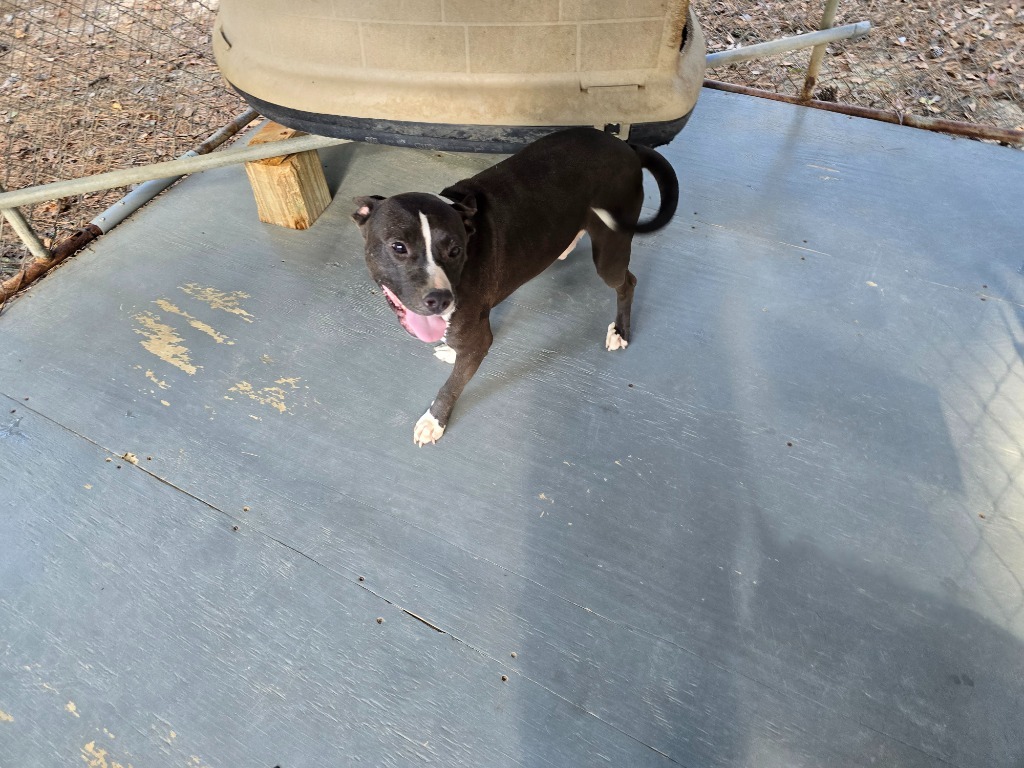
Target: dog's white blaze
[(438, 279), (607, 218)]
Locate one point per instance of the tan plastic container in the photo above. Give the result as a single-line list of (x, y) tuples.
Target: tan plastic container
[(483, 75)]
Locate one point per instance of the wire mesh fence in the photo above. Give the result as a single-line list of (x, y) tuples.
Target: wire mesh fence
[(956, 61), (88, 86)]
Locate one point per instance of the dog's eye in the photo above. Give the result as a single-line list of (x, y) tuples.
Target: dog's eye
[(399, 248), (455, 252)]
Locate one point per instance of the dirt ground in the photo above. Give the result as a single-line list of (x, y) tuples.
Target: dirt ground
[(956, 61), (89, 86)]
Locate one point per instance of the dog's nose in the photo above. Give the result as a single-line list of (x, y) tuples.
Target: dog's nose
[(438, 301)]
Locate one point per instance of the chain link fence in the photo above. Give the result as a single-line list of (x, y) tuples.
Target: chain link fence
[(960, 61), (88, 86)]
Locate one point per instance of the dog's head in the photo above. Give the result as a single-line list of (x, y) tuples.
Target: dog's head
[(416, 248)]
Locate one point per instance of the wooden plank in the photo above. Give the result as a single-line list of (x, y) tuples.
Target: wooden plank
[(657, 554), (290, 190), (141, 626)]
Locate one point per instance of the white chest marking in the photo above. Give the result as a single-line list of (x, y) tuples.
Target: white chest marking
[(443, 352), (438, 279)]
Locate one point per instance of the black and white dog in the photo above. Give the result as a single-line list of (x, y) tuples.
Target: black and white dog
[(444, 265)]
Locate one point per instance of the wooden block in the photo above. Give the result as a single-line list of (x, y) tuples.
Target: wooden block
[(290, 190)]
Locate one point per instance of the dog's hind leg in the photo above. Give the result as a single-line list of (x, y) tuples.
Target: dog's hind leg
[(611, 257)]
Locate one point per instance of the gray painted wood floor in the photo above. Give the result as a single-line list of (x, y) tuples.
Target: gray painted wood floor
[(784, 528)]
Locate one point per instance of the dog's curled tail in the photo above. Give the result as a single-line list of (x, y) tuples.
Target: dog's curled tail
[(668, 188)]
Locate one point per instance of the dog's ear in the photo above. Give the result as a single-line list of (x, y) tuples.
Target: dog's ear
[(366, 206), (464, 203)]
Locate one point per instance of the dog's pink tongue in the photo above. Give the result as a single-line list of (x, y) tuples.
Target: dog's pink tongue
[(428, 329)]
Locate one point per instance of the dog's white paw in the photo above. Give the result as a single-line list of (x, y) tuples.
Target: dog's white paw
[(613, 341), (445, 353), (427, 430)]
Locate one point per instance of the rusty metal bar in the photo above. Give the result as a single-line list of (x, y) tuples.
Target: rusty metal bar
[(971, 130), (36, 268), (828, 18)]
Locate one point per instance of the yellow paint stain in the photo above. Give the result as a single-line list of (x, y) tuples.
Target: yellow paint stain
[(109, 734), (5, 718), (164, 402), (224, 301), (199, 325), (272, 396), (96, 757), (88, 486), (70, 707), (170, 737), (48, 687), (162, 341), (152, 377)]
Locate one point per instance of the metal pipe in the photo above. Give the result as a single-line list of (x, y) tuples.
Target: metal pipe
[(828, 18), (134, 200), (788, 44), (145, 192), (114, 215), (24, 231), (179, 167), (225, 132), (989, 132)]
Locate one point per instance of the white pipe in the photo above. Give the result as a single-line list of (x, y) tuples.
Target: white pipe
[(179, 167), (145, 192), (24, 231), (788, 44), (827, 19)]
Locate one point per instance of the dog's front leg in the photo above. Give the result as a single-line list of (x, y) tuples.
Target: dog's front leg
[(470, 345)]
